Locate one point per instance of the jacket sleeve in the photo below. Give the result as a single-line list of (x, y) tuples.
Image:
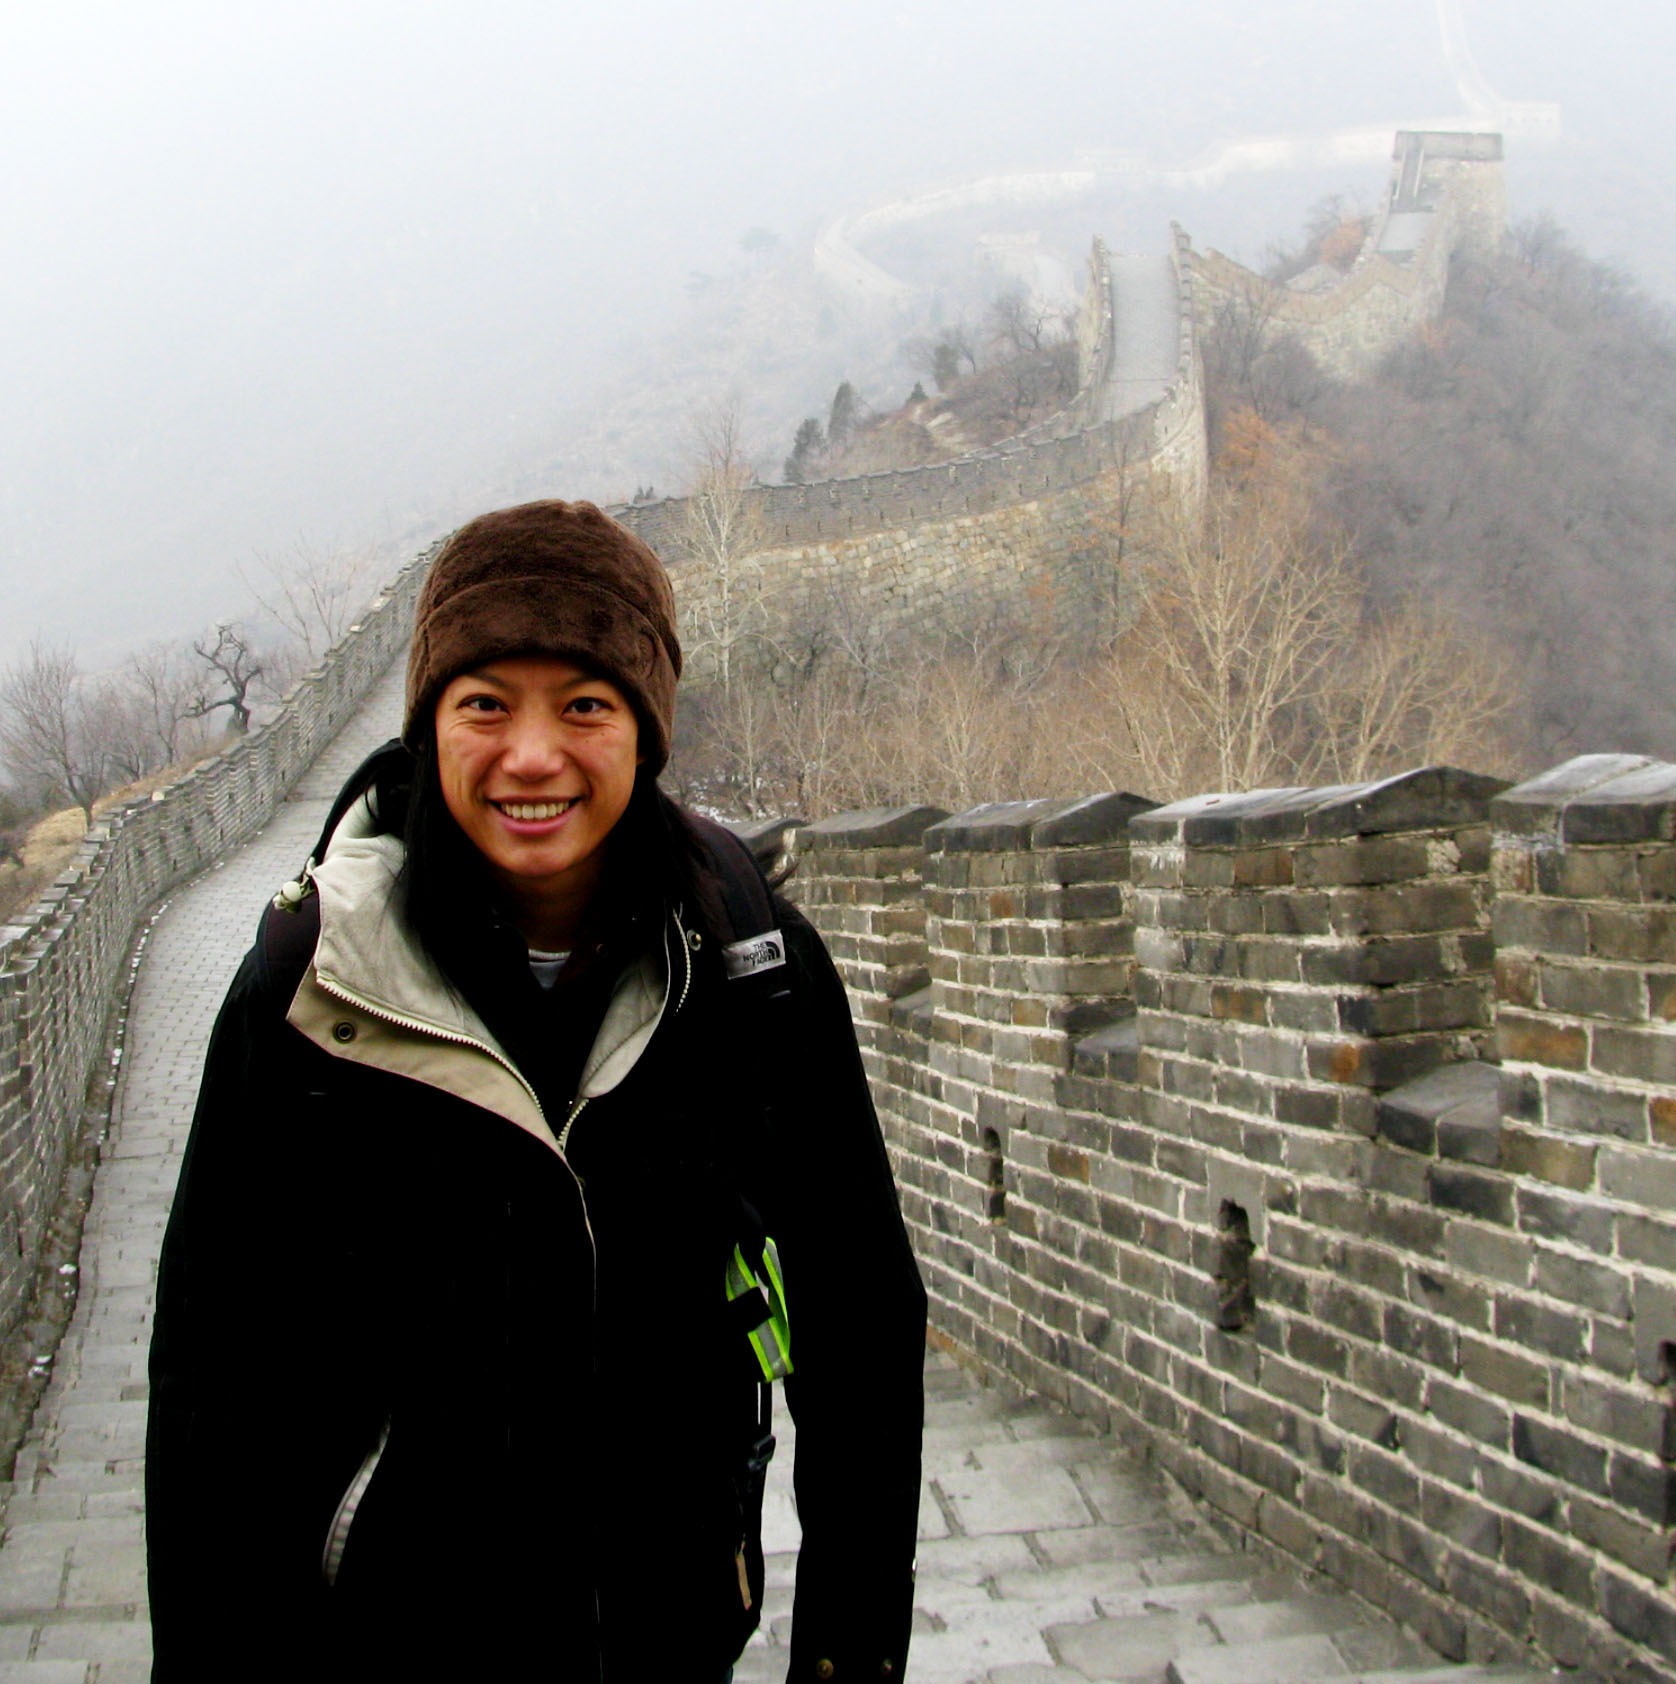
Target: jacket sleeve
[(244, 1376), (857, 1314)]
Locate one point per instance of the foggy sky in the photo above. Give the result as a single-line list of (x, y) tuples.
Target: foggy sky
[(330, 275)]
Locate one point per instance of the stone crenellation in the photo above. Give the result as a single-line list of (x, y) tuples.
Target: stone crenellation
[(62, 963), (1325, 1142)]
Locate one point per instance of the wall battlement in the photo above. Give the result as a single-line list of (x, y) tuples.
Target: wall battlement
[(1326, 1140)]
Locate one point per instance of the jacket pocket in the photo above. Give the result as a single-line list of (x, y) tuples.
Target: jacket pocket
[(337, 1534)]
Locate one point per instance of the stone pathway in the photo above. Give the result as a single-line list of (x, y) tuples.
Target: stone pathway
[(1047, 1555), (1050, 1556)]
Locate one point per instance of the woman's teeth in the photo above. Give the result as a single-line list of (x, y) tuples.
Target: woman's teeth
[(529, 812)]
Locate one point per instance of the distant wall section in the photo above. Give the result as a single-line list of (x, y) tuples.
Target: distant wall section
[(1447, 193), (928, 547)]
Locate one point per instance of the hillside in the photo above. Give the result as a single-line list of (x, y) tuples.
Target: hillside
[(1514, 466)]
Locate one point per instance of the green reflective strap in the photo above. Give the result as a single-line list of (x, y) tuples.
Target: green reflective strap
[(771, 1339)]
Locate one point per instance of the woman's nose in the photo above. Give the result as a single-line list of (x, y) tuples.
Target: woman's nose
[(534, 748)]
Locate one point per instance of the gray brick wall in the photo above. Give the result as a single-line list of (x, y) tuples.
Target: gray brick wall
[(62, 962), (1201, 1131)]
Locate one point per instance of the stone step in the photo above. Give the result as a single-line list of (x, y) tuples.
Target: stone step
[(1504, 1673), (1317, 1660)]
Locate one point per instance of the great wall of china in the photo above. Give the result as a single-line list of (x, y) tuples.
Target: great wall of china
[(1322, 1141), (939, 546)]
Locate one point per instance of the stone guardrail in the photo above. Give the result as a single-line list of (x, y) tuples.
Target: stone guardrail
[(62, 962), (1323, 1140)]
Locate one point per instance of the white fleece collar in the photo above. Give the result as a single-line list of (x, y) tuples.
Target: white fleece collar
[(368, 950)]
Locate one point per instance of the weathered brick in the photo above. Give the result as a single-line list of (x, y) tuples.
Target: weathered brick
[(1589, 874), (1588, 1106), (1633, 934), (1594, 990), (1531, 1039), (1643, 1549), (1560, 1452), (1639, 1176), (1483, 1251), (1644, 1487), (1541, 1327), (1646, 1239), (1567, 1217), (1481, 1194), (1546, 1157), (1640, 1055), (1584, 1283), (1516, 980), (1643, 1616), (1539, 926), (1544, 1559), (1469, 1412), (1506, 1373)]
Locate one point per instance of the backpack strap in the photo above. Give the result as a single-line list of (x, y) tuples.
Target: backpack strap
[(288, 936), (754, 951)]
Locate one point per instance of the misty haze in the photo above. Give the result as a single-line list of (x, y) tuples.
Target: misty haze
[(329, 281)]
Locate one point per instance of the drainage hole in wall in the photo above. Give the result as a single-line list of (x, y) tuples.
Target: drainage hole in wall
[(1235, 1305), (995, 1192)]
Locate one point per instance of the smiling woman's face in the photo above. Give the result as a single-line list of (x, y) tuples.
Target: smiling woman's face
[(537, 758)]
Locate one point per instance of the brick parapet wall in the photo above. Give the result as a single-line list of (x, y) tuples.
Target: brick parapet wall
[(61, 962), (1277, 1222), (1384, 298), (936, 547)]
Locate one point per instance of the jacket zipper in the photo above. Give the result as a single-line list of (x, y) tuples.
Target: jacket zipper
[(419, 1026), (570, 1121), (580, 1104), (337, 1534)]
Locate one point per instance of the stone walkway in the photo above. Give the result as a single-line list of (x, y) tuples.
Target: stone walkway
[(1047, 1556)]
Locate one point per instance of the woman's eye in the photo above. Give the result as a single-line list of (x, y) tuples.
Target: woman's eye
[(481, 704), (589, 704)]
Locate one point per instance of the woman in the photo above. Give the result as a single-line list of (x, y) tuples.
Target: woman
[(524, 1140)]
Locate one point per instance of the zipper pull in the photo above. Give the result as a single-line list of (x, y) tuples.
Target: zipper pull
[(744, 1577), (292, 895)]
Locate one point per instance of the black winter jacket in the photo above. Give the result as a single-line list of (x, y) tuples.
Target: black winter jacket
[(379, 1261)]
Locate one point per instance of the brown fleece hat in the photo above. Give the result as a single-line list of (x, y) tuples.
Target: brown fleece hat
[(549, 578)]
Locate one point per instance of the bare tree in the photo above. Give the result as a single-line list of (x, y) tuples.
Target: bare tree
[(1423, 689), (943, 356), (162, 686), (1020, 324), (312, 597), (722, 603), (232, 663), (50, 730)]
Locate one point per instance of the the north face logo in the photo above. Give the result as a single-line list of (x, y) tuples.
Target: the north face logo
[(754, 953)]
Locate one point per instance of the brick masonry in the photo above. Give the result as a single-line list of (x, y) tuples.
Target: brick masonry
[(62, 964), (1326, 1141)]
